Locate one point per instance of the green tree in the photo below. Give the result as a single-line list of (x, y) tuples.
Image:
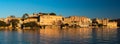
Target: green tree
[(52, 14), (44, 13), (12, 16)]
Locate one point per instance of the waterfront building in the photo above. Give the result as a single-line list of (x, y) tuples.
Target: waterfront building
[(2, 19), (118, 21), (76, 20), (104, 22), (50, 20), (30, 19), (44, 19), (9, 18), (112, 24)]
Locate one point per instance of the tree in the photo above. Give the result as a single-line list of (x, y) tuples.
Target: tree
[(52, 14), (25, 15), (47, 13), (44, 13), (12, 16)]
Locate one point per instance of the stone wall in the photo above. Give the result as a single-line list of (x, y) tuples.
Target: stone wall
[(49, 19), (76, 20)]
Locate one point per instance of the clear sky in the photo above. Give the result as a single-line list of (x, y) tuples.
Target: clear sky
[(89, 8)]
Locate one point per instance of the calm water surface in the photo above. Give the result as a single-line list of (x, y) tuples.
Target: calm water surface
[(61, 36)]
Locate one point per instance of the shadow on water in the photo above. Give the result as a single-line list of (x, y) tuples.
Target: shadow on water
[(61, 36), (118, 35)]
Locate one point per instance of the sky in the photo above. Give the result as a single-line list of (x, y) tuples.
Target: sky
[(88, 8)]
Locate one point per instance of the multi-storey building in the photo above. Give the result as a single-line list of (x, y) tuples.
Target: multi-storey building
[(50, 20), (76, 20), (42, 19), (105, 22)]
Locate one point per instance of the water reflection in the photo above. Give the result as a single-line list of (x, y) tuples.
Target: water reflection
[(61, 36)]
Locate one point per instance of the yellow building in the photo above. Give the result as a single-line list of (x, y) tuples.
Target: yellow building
[(2, 19), (106, 22), (8, 19), (49, 19), (112, 24), (76, 20), (30, 19)]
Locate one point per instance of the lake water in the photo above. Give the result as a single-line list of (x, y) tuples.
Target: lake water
[(61, 36)]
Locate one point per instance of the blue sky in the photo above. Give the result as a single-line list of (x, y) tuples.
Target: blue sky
[(89, 8)]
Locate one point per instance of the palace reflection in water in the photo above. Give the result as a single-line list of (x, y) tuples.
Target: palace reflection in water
[(61, 36)]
